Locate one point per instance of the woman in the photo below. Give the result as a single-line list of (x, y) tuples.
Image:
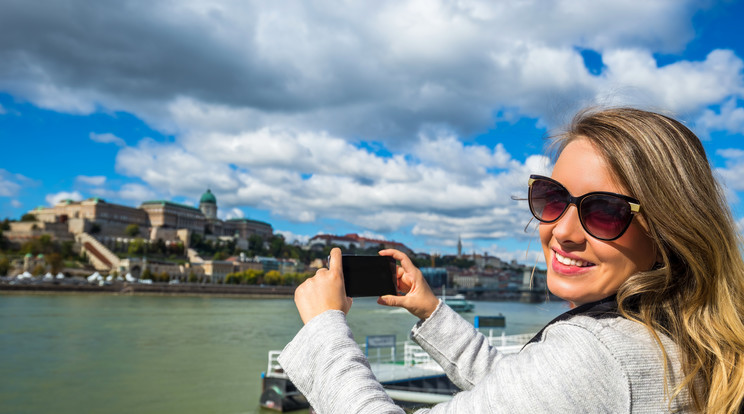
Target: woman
[(636, 233)]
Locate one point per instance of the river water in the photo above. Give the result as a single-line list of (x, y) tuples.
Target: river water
[(145, 354)]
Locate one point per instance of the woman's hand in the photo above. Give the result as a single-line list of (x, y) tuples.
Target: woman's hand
[(324, 291), (418, 299)]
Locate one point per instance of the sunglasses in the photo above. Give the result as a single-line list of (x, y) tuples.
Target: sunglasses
[(605, 216)]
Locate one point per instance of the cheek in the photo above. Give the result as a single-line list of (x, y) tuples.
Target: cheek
[(633, 252), (546, 234)]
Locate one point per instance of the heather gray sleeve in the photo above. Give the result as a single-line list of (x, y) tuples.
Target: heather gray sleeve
[(329, 368), (570, 370), (444, 335)]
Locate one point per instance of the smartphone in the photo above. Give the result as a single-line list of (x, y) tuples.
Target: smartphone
[(369, 275)]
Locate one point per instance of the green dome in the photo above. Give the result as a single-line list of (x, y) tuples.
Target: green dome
[(208, 197)]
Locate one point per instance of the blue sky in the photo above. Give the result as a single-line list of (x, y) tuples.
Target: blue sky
[(415, 121)]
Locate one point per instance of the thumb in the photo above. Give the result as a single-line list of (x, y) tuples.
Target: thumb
[(391, 300)]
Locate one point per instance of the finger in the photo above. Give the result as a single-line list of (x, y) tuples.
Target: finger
[(390, 300), (403, 258), (335, 265)]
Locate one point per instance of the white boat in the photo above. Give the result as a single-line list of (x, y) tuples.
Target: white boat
[(458, 303)]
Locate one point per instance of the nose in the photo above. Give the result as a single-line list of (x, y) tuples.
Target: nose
[(568, 228)]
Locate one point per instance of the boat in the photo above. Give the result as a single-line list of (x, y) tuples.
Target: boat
[(458, 303)]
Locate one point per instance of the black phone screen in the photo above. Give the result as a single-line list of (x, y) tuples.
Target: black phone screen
[(369, 275)]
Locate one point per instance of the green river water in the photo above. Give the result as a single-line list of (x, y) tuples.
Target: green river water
[(146, 354)]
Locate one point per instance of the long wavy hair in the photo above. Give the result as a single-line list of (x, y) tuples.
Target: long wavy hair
[(695, 294)]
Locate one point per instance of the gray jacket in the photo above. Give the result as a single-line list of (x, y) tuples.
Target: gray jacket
[(580, 364)]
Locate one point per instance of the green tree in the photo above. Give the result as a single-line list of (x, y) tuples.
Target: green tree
[(220, 255), (132, 230), (55, 262), (160, 247), (137, 247), (95, 228), (256, 245), (273, 277), (38, 270), (4, 266), (277, 245), (146, 274), (28, 217)]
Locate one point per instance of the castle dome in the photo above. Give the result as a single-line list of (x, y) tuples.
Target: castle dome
[(208, 197)]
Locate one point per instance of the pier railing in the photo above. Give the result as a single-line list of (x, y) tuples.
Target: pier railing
[(412, 353)]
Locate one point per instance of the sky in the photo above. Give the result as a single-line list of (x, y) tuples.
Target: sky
[(407, 120)]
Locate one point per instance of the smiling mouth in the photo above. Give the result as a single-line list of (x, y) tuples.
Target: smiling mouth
[(571, 262)]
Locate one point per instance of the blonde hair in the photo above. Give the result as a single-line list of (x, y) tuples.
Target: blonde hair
[(695, 294)]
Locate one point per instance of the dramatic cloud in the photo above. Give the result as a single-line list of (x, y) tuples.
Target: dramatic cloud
[(447, 188), (363, 112), (377, 70)]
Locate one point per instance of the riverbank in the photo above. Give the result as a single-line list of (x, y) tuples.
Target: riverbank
[(155, 289)]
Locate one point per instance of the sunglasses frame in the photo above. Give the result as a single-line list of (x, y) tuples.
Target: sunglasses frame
[(635, 205)]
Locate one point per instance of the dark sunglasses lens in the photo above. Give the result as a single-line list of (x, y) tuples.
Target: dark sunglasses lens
[(547, 200), (605, 217)]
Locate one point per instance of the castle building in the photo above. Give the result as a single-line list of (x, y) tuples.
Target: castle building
[(160, 217)]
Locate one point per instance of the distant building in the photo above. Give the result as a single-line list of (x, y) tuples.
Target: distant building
[(156, 218), (435, 276), (354, 241)]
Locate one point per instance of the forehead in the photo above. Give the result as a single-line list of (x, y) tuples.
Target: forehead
[(582, 169)]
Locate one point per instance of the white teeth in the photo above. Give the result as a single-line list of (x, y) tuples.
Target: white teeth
[(570, 262)]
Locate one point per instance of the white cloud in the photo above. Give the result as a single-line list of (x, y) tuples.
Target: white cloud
[(380, 71), (443, 189), (230, 214), (290, 237), (732, 174), (16, 203), (8, 188), (136, 192), (53, 199), (292, 90), (682, 86), (96, 180), (728, 118), (3, 111), (107, 139), (11, 184)]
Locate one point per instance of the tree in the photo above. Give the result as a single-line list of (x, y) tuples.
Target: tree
[(38, 270), (95, 228), (137, 247), (54, 260), (132, 230), (146, 274), (28, 217), (255, 245), (273, 277), (4, 266), (276, 245)]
